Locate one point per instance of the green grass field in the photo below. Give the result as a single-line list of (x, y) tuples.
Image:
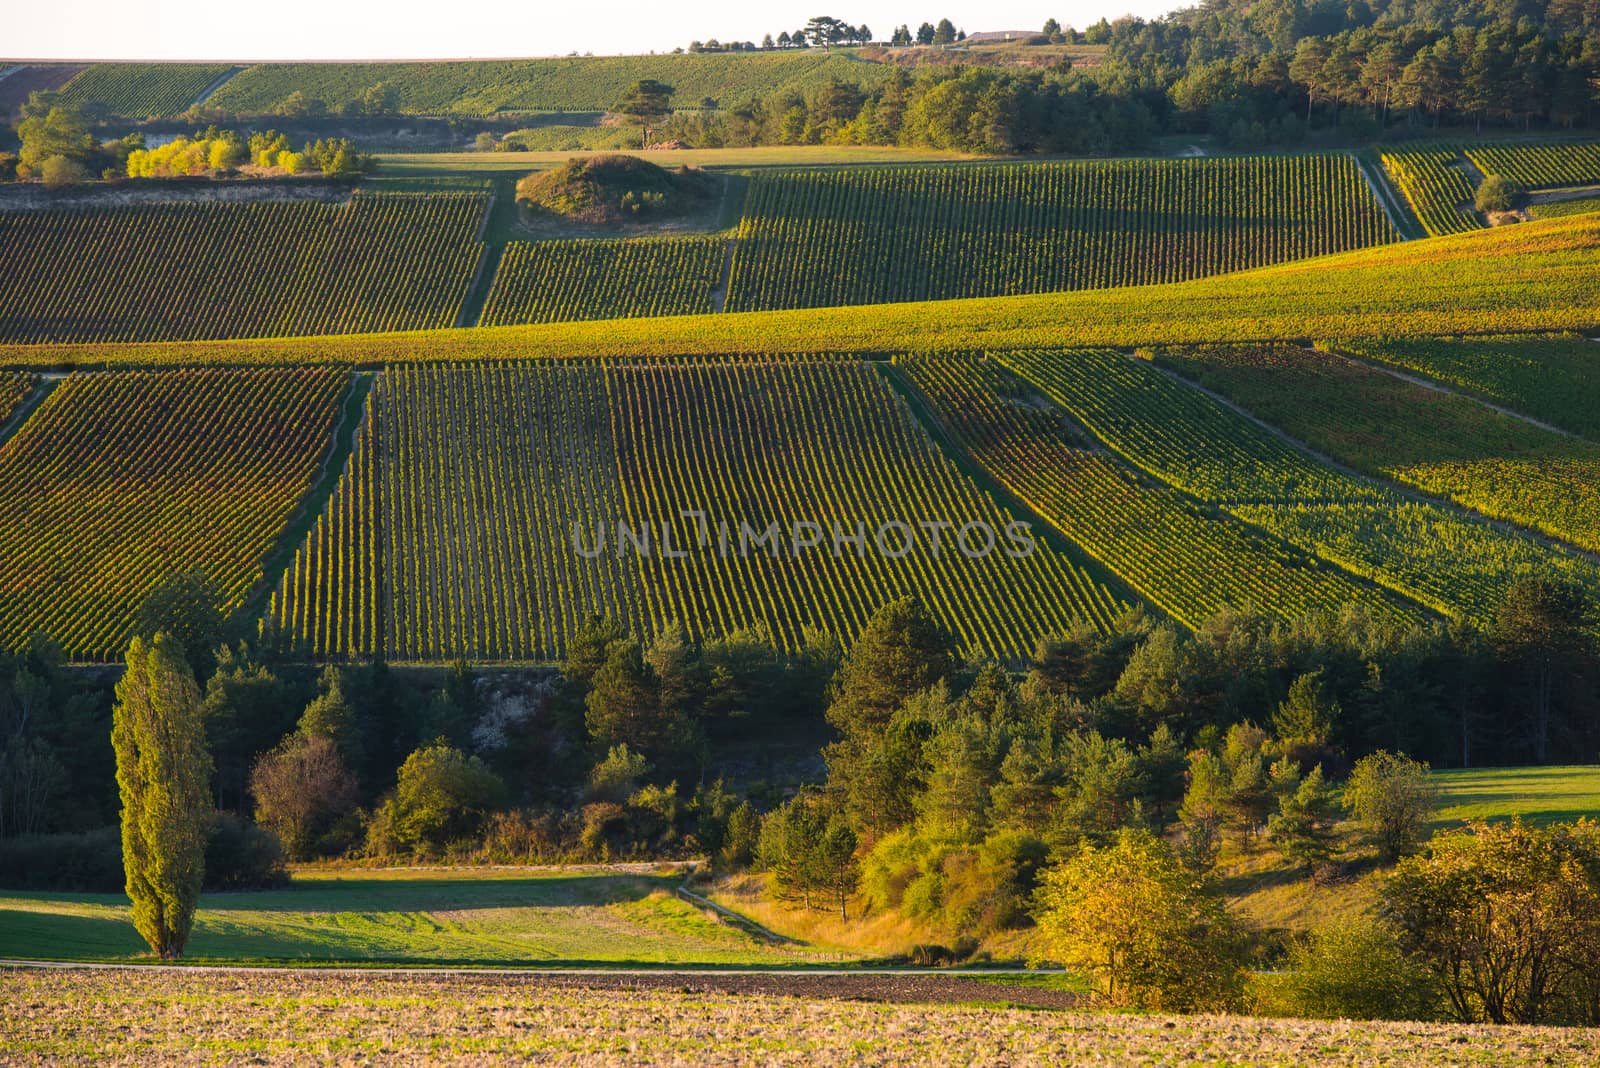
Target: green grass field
[(1538, 795), (535, 918)]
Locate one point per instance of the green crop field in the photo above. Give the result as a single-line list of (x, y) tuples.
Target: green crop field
[(534, 917), (1454, 564), (575, 83), (558, 281), (928, 233), (117, 480), (1534, 277), (139, 90), (1445, 444), (1553, 378), (471, 519), (385, 261), (1540, 166), (1160, 544), (1434, 182), (1560, 209)]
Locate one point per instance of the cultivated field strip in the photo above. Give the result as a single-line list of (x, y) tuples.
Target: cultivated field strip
[(560, 281), (1552, 377), (379, 261), (1540, 166), (1434, 182), (1442, 443), (481, 486), (1190, 562), (1456, 564), (142, 90), (820, 238), (573, 83), (121, 479)]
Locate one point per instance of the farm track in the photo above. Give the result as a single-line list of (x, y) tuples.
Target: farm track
[(28, 406), (217, 83), (1388, 199), (1442, 387)]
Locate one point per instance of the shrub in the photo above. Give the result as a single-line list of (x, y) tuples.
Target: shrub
[(238, 856), (1351, 971), (1393, 796), (243, 856), (1141, 927), (442, 795), (58, 172), (1507, 918), (90, 862), (1495, 194)]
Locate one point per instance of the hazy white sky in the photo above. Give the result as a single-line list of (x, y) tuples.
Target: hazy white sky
[(400, 29)]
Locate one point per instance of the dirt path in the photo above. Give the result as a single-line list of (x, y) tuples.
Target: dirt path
[(1441, 387), (719, 295), (1385, 197), (217, 83)]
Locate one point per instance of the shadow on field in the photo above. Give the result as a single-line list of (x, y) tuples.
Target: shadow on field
[(367, 894)]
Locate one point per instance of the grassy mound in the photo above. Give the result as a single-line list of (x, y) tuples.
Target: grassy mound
[(614, 190)]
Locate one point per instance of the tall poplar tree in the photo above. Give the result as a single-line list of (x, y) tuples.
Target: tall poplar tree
[(163, 768)]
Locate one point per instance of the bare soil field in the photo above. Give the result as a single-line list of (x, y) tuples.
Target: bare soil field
[(172, 1017)]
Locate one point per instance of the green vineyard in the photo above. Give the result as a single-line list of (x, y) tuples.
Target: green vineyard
[(378, 261), (560, 281), (487, 513), (139, 90), (587, 83), (1434, 182), (1190, 563), (1455, 564), (1441, 443), (118, 480), (811, 239), (1540, 166), (1553, 377), (14, 389)]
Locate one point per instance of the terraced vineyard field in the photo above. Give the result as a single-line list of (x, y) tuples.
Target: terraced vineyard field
[(1190, 562), (120, 479), (1540, 166), (1555, 378), (1434, 182), (480, 516), (1534, 277), (140, 90), (820, 238), (379, 261), (559, 281), (1456, 564), (1442, 443), (588, 83)]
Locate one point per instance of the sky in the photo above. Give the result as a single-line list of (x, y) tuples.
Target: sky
[(411, 29)]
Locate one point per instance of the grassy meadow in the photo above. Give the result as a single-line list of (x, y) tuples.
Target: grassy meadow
[(533, 918)]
